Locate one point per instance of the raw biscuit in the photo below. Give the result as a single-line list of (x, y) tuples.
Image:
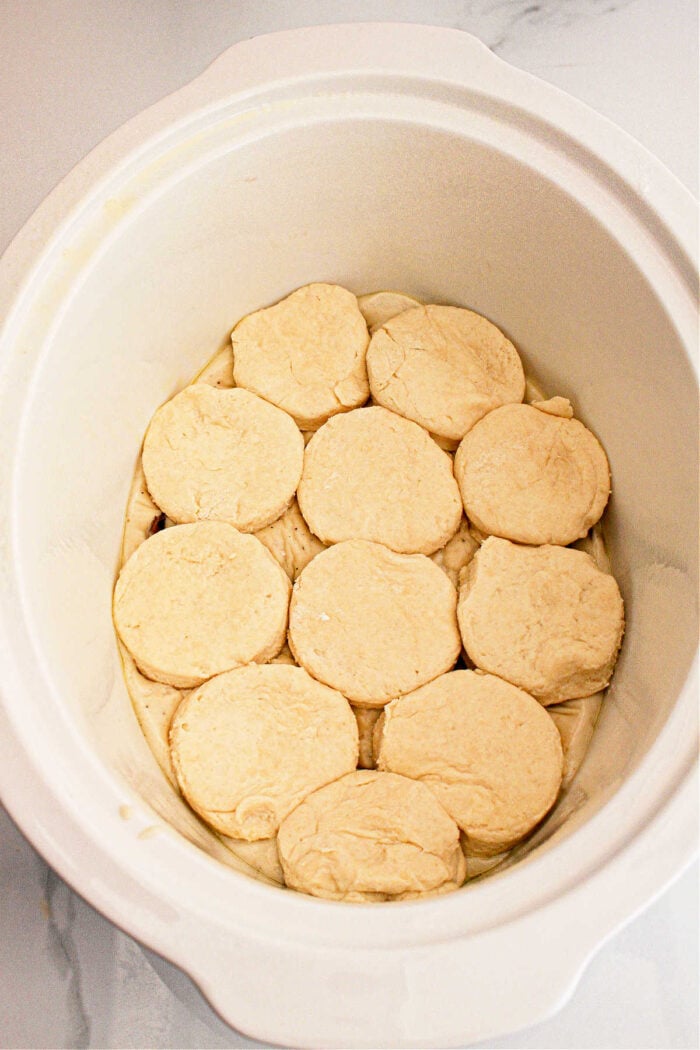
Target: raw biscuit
[(379, 307), (373, 623), (371, 836), (249, 745), (444, 367), (290, 541), (372, 475), (487, 750), (457, 552), (196, 600), (533, 474), (544, 618), (366, 718), (222, 455), (305, 354)]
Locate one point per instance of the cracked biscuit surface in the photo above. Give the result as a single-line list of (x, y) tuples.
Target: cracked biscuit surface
[(544, 618), (305, 354), (443, 367), (372, 475), (373, 623), (371, 836), (487, 750), (533, 474), (249, 745), (222, 455), (196, 600)]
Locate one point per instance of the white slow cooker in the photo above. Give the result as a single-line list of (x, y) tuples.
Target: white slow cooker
[(384, 156)]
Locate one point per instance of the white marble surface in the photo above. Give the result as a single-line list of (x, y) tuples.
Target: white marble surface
[(70, 72)]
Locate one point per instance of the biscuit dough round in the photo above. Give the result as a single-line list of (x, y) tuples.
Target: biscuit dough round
[(222, 455), (305, 354), (371, 836), (544, 618), (290, 541), (487, 750), (444, 367), (379, 307), (531, 476), (249, 745), (373, 623), (372, 475), (196, 600)]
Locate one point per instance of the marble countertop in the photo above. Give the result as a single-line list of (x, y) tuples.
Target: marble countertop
[(68, 978)]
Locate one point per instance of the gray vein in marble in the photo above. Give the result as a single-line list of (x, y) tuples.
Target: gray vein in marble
[(501, 21), (61, 915)]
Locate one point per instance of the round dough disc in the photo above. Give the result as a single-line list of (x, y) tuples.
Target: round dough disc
[(373, 623), (224, 455), (371, 836), (544, 618), (532, 477), (249, 745), (305, 353), (371, 475), (488, 751), (196, 600), (444, 367)]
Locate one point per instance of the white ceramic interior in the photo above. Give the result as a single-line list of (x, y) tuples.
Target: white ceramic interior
[(378, 157)]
